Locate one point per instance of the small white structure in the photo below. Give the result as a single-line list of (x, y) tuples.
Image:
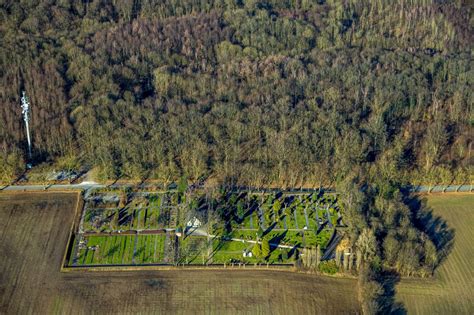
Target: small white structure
[(193, 223), (247, 253)]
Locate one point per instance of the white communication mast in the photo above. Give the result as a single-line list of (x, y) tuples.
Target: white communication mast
[(25, 106)]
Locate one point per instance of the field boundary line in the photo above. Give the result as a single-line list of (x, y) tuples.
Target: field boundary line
[(235, 268), (80, 269)]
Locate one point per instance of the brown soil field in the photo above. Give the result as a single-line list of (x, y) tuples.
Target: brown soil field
[(451, 290), (34, 230)]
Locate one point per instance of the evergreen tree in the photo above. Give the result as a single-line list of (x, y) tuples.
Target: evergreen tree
[(265, 248)]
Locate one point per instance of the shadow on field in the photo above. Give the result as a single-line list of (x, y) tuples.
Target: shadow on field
[(388, 280), (156, 283), (434, 226), (437, 230)]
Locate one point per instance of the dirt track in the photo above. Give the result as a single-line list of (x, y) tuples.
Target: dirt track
[(34, 228)]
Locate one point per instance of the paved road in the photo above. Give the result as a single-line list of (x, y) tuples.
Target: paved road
[(92, 185), (443, 188), (81, 186)]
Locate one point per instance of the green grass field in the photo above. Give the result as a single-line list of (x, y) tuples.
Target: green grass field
[(452, 289), (119, 250)]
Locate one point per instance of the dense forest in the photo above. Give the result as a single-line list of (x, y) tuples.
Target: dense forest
[(254, 92)]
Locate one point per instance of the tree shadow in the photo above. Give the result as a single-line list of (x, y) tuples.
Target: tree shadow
[(287, 201), (249, 212), (78, 175), (388, 305), (164, 218), (156, 283), (321, 227), (143, 179), (216, 249), (269, 229), (112, 251), (294, 251), (139, 251), (432, 225), (19, 178), (276, 240), (437, 230), (124, 217), (252, 207), (115, 180)]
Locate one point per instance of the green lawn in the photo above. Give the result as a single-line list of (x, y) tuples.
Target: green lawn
[(246, 223), (118, 249), (300, 217), (150, 249)]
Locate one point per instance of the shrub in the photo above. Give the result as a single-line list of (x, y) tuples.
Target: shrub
[(328, 266)]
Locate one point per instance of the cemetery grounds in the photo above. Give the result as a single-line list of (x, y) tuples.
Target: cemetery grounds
[(172, 228)]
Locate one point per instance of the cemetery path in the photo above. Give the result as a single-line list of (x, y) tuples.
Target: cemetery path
[(201, 232), (306, 218)]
